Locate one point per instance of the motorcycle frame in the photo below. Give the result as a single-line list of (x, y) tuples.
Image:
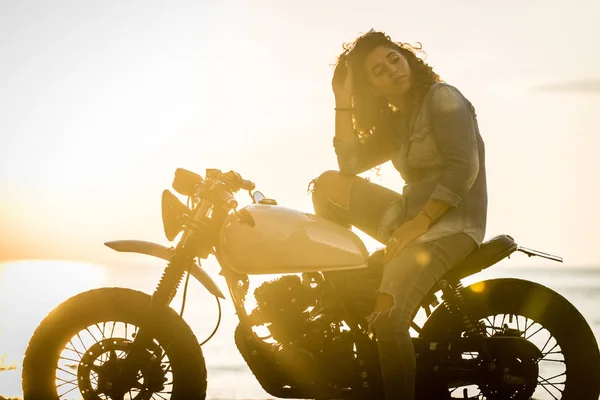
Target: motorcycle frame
[(205, 225)]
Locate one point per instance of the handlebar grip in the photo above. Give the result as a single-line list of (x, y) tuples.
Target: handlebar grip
[(247, 185), (234, 181)]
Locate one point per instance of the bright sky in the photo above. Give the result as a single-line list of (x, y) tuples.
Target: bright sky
[(102, 100)]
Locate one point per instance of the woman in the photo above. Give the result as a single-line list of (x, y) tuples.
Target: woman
[(390, 105)]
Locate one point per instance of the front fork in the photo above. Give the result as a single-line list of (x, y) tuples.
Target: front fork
[(161, 298), (163, 295)]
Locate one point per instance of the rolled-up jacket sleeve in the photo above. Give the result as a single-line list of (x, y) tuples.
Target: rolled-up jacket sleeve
[(359, 156), (455, 134)]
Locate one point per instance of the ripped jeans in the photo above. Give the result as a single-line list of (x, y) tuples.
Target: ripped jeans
[(407, 277)]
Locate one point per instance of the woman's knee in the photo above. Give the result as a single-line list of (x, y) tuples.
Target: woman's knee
[(387, 319), (332, 187)]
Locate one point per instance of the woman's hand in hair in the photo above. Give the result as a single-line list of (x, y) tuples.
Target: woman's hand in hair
[(342, 85)]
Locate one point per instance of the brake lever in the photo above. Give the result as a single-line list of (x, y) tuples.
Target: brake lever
[(247, 185), (235, 182), (232, 180)]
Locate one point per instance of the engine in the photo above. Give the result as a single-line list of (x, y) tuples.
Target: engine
[(309, 347), (300, 312)]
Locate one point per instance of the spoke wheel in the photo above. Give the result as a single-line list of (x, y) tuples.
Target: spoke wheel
[(90, 362), (570, 364), (79, 349), (517, 377)]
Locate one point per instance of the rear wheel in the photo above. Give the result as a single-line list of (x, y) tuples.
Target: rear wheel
[(570, 365), (79, 348)]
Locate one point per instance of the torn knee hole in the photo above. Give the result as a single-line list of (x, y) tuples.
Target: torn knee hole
[(383, 306), (385, 301), (333, 187)]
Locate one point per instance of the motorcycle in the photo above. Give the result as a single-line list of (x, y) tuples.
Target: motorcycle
[(493, 339)]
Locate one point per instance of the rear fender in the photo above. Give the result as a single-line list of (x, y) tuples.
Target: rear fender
[(165, 253)]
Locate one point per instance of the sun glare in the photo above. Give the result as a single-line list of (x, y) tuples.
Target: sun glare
[(29, 290)]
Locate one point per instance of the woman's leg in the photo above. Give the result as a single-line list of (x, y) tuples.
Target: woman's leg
[(406, 280), (351, 200)]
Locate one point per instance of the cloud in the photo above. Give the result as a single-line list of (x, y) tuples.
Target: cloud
[(4, 367), (578, 86)]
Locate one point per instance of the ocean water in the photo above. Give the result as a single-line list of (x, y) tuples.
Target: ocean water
[(228, 375)]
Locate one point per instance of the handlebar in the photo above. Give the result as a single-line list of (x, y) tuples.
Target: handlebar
[(235, 182), (217, 186), (247, 185), (225, 184)]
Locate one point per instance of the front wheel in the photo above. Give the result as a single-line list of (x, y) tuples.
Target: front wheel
[(79, 348), (569, 368)]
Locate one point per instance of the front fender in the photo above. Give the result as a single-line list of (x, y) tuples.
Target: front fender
[(165, 253)]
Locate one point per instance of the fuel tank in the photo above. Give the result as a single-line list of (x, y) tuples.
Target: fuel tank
[(272, 239)]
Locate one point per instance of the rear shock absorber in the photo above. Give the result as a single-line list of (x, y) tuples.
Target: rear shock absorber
[(455, 304)]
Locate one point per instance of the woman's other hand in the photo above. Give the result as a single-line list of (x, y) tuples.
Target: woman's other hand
[(405, 234), (342, 84)]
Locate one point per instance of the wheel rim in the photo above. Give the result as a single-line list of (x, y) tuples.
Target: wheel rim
[(551, 366), (93, 356)]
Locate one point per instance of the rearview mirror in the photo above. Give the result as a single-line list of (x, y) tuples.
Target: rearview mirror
[(257, 196)]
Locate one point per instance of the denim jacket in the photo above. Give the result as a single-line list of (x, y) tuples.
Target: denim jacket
[(440, 155)]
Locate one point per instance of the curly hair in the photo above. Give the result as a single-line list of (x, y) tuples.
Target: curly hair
[(371, 111)]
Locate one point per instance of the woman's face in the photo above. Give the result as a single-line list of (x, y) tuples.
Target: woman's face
[(388, 72)]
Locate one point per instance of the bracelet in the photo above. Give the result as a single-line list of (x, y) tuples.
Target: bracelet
[(428, 216), (344, 109)]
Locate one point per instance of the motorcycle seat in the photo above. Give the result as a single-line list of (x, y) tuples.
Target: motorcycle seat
[(488, 254)]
